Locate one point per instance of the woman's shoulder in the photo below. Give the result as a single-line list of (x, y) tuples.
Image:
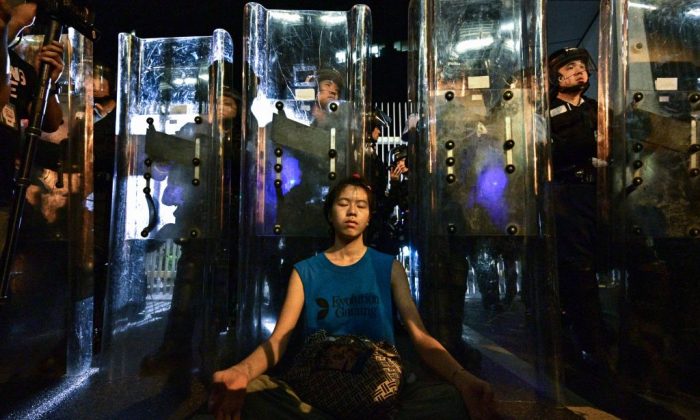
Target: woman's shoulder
[(310, 261), (380, 256)]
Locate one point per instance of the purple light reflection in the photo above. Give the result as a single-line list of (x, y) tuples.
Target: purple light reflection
[(291, 178), (489, 193), (291, 173)]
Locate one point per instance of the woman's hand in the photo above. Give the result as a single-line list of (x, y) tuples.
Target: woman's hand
[(228, 393), (477, 396), (52, 55)]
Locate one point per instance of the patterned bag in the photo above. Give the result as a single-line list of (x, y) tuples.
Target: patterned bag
[(347, 376)]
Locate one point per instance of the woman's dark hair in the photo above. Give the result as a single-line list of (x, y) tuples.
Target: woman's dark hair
[(352, 181)]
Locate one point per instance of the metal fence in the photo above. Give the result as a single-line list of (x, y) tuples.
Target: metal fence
[(390, 137)]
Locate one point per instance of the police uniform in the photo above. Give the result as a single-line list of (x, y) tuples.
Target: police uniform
[(573, 131), (573, 140), (391, 230), (573, 147)]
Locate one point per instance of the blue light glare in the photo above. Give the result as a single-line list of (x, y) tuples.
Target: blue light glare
[(268, 324), (47, 402), (490, 193), (291, 175), (291, 178)]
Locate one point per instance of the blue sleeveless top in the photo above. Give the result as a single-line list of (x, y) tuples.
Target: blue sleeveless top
[(354, 299)]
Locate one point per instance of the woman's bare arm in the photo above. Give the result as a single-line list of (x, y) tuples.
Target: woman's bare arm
[(270, 352), (477, 394), (230, 384)]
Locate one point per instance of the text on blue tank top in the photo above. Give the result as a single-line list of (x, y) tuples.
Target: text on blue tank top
[(354, 299)]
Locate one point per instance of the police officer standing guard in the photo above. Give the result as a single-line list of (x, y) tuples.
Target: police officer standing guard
[(574, 120)]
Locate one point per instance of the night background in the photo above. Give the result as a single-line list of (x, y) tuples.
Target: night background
[(156, 19), (89, 332), (569, 23)]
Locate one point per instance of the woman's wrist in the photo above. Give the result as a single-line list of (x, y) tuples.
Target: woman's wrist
[(454, 377), (463, 380), (243, 370)]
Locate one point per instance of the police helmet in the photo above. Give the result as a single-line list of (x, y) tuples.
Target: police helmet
[(563, 56), (331, 74), (379, 119), (399, 152)]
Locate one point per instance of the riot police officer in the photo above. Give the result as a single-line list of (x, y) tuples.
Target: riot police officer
[(189, 230), (573, 118), (329, 83), (398, 177), (379, 234)]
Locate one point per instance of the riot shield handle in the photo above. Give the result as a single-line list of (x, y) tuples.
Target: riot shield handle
[(152, 215)]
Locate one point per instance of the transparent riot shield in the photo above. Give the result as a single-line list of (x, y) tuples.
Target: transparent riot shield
[(298, 141), (169, 246), (653, 197), (480, 227), (46, 325)]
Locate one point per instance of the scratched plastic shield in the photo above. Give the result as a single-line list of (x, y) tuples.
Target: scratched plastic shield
[(297, 145)]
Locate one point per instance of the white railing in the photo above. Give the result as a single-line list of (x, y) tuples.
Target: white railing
[(390, 137), (161, 269)]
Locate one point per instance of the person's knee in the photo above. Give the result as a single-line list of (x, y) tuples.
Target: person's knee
[(269, 398), (431, 399), (256, 398)]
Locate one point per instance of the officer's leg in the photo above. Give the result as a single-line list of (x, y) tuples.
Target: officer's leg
[(176, 349), (451, 288)]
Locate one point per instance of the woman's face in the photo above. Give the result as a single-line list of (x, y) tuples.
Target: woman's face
[(350, 213)]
